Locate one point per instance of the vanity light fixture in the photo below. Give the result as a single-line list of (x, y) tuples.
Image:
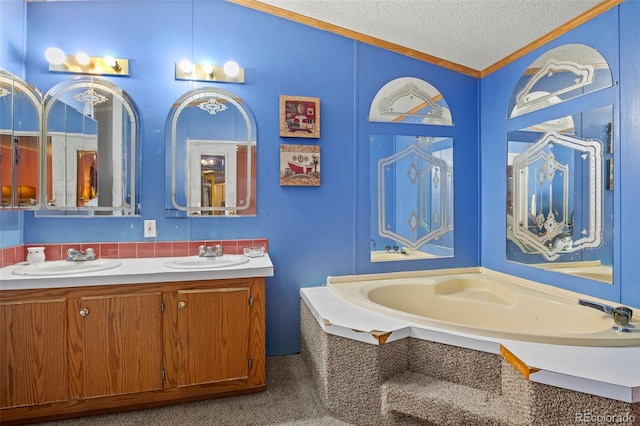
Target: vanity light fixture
[(228, 73), (81, 63)]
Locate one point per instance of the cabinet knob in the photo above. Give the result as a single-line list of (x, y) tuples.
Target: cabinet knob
[(84, 312), (182, 305)]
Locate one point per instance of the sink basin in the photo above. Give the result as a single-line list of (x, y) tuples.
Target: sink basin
[(203, 263), (62, 267)]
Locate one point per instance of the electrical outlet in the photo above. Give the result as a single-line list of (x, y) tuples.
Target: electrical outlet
[(149, 228)]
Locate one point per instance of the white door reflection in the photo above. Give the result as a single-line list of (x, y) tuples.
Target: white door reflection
[(211, 177)]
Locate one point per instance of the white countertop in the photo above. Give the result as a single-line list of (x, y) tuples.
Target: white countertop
[(134, 271), (611, 372)]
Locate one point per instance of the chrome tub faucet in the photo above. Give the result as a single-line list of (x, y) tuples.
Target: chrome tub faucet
[(621, 315)]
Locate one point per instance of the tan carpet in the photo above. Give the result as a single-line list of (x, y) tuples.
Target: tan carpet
[(289, 400)]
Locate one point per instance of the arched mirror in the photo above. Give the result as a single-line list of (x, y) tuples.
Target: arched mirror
[(91, 143), (410, 100), (211, 147), (20, 120), (411, 175), (562, 73), (560, 176)]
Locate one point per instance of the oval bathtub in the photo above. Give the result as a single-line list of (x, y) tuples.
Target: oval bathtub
[(487, 303)]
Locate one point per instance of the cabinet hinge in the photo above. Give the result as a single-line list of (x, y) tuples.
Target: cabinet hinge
[(162, 306), (250, 301), (250, 363), (164, 374)]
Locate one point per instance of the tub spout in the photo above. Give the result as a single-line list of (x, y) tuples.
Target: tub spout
[(621, 314), (607, 309)]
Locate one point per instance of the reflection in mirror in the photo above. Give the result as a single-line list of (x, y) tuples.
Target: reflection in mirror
[(410, 100), (411, 197), (560, 74), (20, 118), (212, 154), (559, 207), (91, 141)]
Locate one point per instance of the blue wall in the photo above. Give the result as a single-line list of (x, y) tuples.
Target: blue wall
[(616, 36), (629, 148), (13, 20), (325, 230), (313, 232)]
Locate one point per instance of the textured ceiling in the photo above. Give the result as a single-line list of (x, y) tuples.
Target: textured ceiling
[(472, 33)]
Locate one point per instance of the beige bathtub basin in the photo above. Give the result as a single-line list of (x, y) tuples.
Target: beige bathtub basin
[(489, 305)]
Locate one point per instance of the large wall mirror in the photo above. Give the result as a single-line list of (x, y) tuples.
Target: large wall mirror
[(20, 120), (91, 143), (411, 197), (411, 175), (560, 178), (211, 147)]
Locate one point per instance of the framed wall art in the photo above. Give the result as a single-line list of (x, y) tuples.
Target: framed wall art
[(299, 165), (299, 117)]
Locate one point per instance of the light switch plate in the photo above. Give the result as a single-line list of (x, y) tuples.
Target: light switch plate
[(149, 228)]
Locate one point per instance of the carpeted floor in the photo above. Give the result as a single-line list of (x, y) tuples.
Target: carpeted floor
[(289, 400)]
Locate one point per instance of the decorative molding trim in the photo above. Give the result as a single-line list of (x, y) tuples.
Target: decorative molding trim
[(561, 30), (579, 20), (316, 23)]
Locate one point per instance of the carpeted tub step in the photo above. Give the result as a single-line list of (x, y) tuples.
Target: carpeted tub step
[(444, 403)]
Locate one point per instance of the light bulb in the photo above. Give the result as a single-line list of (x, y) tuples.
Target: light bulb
[(231, 69), (110, 61), (186, 66), (208, 69), (55, 56), (83, 58)]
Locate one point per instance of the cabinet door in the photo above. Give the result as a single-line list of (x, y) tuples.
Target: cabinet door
[(213, 335), (115, 344), (33, 358)]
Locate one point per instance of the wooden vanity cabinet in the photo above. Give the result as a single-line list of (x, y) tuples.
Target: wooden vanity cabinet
[(77, 351), (34, 352), (115, 344)]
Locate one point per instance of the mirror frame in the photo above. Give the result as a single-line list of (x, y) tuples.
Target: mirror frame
[(251, 140), (35, 96), (90, 82)]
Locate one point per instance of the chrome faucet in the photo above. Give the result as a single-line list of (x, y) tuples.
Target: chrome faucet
[(621, 315), (74, 255), (204, 251)]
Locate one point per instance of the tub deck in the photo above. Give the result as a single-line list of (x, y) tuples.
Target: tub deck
[(611, 372)]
